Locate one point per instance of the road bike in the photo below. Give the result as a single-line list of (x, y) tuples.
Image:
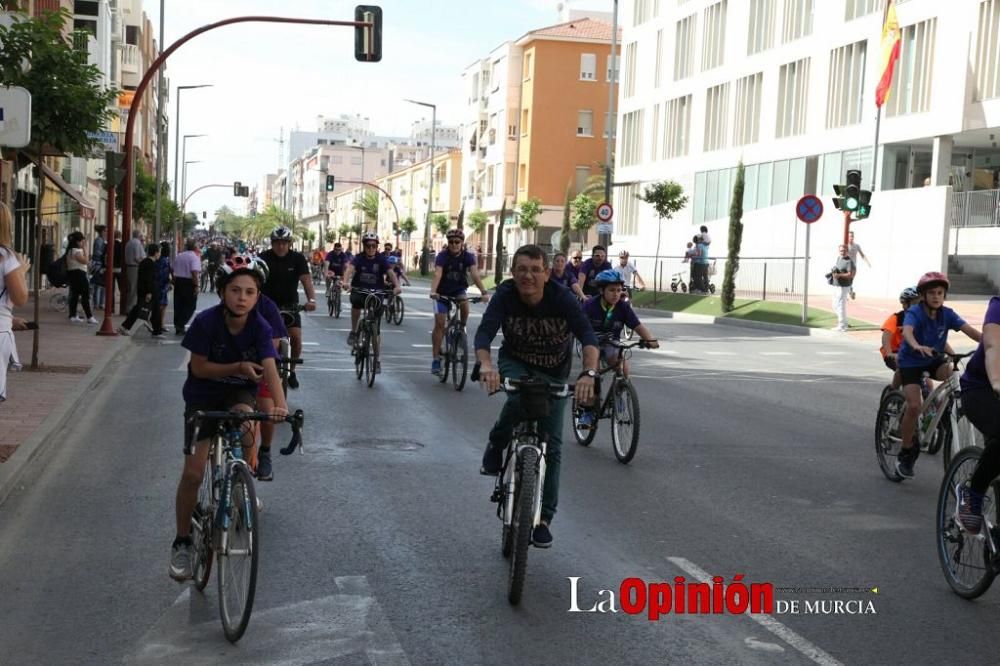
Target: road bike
[(518, 488), (620, 404), (941, 425), (368, 336), (455, 345), (286, 364), (970, 562), (394, 309), (224, 524), (333, 289)]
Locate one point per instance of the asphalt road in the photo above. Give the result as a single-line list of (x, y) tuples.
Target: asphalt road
[(379, 544)]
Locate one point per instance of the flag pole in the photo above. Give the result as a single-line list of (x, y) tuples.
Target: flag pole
[(878, 125)]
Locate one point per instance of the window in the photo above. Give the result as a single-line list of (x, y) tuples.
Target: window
[(582, 174), (846, 86), (474, 93), (798, 20), (748, 95), (713, 36), (132, 35), (512, 127), (87, 26), (676, 126), (87, 7), (858, 8), (337, 159), (524, 122), (632, 128), (988, 51), (356, 161), (641, 11), (527, 65), (793, 85), (495, 74), (493, 129), (630, 66), (490, 175), (585, 123), (627, 209), (610, 124), (509, 182), (522, 177), (684, 48), (654, 144), (618, 64), (588, 67), (911, 80), (760, 27), (716, 115), (659, 59)]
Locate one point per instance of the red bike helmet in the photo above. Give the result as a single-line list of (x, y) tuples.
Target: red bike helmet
[(932, 279)]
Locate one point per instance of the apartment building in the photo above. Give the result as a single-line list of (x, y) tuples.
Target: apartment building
[(787, 86)]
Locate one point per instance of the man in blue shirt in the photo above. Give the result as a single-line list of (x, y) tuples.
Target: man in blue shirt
[(589, 269), (539, 320), (452, 266), (925, 334)]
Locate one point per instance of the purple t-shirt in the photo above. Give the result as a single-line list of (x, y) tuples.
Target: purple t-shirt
[(338, 262), (454, 271), (975, 376), (568, 278), (369, 273), (208, 336), (268, 309), (590, 269), (610, 322)]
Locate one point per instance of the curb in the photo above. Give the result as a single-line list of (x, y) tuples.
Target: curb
[(787, 329), (39, 441)]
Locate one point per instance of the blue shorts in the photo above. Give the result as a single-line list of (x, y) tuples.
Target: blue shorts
[(441, 307)]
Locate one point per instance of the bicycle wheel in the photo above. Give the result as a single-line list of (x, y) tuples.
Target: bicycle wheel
[(336, 304), (965, 559), (624, 421), (284, 351), (398, 310), (201, 530), (506, 532), (329, 304), (361, 351), (373, 354), (888, 436), (446, 354), (58, 302), (584, 436), (460, 361), (238, 562), (522, 522)]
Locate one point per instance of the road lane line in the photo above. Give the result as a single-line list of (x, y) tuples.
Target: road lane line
[(833, 353), (184, 363), (719, 353), (811, 651), (775, 353)]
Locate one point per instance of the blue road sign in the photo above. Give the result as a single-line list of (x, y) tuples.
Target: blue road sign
[(809, 208)]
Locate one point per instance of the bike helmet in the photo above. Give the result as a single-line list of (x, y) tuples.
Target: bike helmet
[(604, 278), (369, 236), (393, 259), (455, 233), (240, 265), (623, 253), (281, 234), (932, 279), (908, 294)]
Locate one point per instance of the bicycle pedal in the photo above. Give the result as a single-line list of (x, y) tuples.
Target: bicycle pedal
[(495, 497)]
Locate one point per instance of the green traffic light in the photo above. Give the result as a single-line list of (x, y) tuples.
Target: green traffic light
[(851, 203)]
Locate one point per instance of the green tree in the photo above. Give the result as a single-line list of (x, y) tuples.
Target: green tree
[(368, 204), (584, 214), (564, 233), (735, 241), (440, 222), (228, 222), (478, 220), (666, 197), (189, 223), (408, 226), (528, 212)]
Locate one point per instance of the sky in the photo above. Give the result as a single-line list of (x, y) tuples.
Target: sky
[(266, 77)]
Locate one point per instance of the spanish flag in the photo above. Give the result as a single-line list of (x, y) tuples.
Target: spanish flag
[(890, 52)]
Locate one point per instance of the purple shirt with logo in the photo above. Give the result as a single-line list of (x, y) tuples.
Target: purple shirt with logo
[(975, 375), (454, 271)]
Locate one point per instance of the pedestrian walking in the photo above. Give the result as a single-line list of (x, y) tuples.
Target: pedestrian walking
[(854, 251), (145, 308), (134, 253), (162, 284), (76, 276), (186, 267), (117, 266), (13, 293), (98, 256), (841, 277)]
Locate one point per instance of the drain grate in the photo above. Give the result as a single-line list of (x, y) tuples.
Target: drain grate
[(383, 444)]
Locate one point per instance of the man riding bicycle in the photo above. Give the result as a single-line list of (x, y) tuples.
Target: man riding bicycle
[(591, 267), (629, 272), (539, 320), (335, 262), (452, 266), (212, 257), (368, 270), (287, 269)]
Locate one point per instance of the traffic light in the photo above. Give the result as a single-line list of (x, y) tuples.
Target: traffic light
[(368, 42), (237, 188), (864, 205), (852, 194), (330, 182)]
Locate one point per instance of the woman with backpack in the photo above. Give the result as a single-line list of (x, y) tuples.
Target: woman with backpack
[(76, 276)]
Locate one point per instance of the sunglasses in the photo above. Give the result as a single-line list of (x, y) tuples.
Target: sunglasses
[(371, 245), (454, 242)]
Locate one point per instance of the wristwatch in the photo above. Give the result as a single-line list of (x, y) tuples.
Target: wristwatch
[(588, 373)]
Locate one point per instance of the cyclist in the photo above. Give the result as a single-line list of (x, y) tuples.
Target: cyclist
[(539, 321), (287, 268), (213, 259), (368, 270), (925, 334), (231, 352), (396, 261), (981, 402), (575, 262), (335, 263), (629, 271), (452, 268), (589, 269), (561, 274), (892, 332)]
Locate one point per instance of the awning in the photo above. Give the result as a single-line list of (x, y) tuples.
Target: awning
[(87, 209)]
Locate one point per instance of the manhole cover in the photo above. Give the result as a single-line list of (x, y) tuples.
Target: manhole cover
[(383, 444)]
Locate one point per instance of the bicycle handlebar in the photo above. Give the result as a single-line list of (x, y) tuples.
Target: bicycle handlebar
[(452, 299), (296, 419), (284, 360), (512, 385)]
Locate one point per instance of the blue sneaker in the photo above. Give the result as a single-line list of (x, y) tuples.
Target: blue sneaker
[(541, 537), (585, 421), (436, 366), (969, 509)]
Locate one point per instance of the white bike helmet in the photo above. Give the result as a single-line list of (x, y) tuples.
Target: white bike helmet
[(281, 234)]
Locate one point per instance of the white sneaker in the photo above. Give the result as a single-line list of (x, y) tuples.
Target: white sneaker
[(77, 320), (92, 321), (121, 330)]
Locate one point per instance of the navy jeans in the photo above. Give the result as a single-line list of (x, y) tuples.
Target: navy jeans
[(551, 428)]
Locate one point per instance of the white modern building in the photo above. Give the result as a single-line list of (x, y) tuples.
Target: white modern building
[(788, 86)]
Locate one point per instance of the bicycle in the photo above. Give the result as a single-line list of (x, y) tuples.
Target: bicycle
[(455, 351), (224, 522), (627, 332), (316, 272), (621, 405), (207, 279), (518, 488), (59, 301), (286, 364), (367, 337), (333, 289), (941, 425), (394, 309)]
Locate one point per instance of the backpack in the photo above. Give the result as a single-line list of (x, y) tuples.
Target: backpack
[(56, 272)]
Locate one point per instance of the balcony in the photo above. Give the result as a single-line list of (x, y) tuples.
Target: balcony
[(130, 58)]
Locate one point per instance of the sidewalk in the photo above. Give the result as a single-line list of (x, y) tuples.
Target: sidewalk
[(67, 352)]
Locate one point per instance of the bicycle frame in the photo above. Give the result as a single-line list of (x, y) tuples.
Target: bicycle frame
[(226, 453), (525, 436), (947, 395)]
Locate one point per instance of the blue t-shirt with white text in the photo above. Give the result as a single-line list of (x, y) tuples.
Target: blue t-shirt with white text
[(928, 332)]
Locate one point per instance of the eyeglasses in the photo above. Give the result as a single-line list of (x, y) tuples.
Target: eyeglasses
[(528, 270), (454, 242), (375, 245)]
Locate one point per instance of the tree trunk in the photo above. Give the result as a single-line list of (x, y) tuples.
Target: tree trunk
[(656, 259)]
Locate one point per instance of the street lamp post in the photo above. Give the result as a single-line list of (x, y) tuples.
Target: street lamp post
[(177, 145), (184, 178), (605, 239), (425, 252)]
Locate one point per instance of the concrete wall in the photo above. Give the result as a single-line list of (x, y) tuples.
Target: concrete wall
[(975, 241), (988, 264)]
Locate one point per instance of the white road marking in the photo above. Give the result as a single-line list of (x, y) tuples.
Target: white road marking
[(833, 353), (310, 344), (754, 644), (776, 353), (187, 359), (793, 639), (719, 353)]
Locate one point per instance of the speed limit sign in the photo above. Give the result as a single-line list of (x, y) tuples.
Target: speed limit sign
[(605, 211)]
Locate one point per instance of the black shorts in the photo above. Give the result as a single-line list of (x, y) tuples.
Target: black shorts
[(222, 401), (358, 301), (890, 362), (292, 320), (916, 375)]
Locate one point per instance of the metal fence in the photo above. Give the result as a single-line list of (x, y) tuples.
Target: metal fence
[(758, 278), (979, 208)]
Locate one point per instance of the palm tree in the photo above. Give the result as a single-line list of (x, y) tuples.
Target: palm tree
[(368, 204)]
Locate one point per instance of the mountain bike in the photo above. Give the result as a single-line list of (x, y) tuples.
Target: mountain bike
[(942, 423), (394, 309), (518, 489), (286, 364), (333, 289), (455, 349), (368, 336), (224, 524), (620, 404)]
